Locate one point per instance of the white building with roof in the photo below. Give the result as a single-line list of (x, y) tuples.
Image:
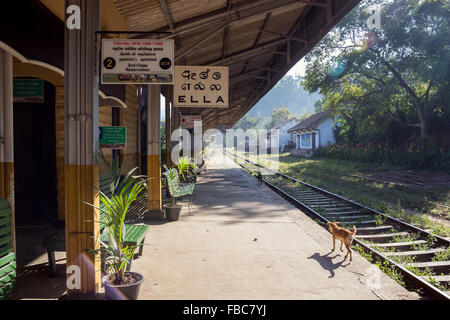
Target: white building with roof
[(283, 135), (313, 132)]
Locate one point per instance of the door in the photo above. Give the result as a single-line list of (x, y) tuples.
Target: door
[(35, 160)]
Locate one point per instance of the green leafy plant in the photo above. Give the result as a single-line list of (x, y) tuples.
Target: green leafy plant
[(125, 189), (186, 168)]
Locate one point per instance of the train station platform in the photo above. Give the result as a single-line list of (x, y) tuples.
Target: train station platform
[(243, 241)]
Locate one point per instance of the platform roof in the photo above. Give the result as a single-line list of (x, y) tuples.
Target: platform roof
[(260, 40)]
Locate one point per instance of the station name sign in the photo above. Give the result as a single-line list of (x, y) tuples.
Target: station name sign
[(201, 86), (141, 61)]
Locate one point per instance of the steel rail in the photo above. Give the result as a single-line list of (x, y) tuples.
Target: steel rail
[(409, 276)]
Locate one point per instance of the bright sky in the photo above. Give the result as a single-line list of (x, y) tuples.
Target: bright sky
[(299, 68)]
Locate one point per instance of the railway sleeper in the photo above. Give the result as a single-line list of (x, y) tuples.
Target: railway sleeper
[(401, 246), (357, 223), (436, 266), (319, 202), (338, 208), (381, 238), (374, 230), (343, 213), (353, 218), (445, 280), (318, 198), (419, 255)]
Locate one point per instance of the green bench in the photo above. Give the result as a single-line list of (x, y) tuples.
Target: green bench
[(134, 234), (178, 189), (7, 257)]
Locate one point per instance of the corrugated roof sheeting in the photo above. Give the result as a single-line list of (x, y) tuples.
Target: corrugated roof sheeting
[(259, 40)]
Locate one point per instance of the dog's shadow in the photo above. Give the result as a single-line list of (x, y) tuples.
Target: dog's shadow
[(326, 262)]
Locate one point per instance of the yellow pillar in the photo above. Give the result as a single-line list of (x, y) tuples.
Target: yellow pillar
[(168, 122), (81, 153), (154, 148), (6, 135)]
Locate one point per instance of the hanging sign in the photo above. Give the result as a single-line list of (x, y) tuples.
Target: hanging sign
[(187, 121), (113, 137), (28, 90), (148, 61), (201, 86)]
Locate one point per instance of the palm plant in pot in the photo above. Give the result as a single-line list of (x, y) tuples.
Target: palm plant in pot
[(187, 169), (125, 189)]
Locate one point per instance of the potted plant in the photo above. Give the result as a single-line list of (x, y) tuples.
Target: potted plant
[(125, 189), (173, 210), (187, 170)]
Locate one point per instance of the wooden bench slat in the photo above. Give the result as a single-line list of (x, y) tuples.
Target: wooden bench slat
[(9, 268), (4, 203), (8, 278), (5, 231), (5, 212), (6, 250), (5, 221), (6, 290), (6, 259)]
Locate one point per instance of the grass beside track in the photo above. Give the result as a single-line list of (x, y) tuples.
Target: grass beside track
[(415, 205)]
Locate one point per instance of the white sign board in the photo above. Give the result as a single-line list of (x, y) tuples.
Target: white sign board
[(141, 61), (187, 121), (201, 86)]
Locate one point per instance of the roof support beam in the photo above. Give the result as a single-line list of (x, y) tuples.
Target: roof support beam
[(186, 50), (226, 34), (247, 53), (238, 13), (168, 16), (291, 38)]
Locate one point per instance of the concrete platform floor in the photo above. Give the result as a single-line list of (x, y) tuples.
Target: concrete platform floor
[(243, 241)]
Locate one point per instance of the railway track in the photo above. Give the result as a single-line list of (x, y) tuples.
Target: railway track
[(421, 257)]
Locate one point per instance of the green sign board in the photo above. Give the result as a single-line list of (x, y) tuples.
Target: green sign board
[(113, 137), (28, 90)]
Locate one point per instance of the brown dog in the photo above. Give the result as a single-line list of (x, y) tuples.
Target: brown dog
[(346, 236)]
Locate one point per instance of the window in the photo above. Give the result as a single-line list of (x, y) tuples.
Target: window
[(305, 141)]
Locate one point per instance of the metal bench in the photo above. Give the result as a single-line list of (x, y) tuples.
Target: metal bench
[(7, 256), (178, 189), (135, 234)]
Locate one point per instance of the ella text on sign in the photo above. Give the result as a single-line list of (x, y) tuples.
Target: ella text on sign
[(201, 86)]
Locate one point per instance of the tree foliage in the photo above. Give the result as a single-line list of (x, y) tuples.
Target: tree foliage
[(278, 116), (393, 87)]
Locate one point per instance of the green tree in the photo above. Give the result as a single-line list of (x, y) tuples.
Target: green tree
[(248, 122), (278, 116), (397, 79)]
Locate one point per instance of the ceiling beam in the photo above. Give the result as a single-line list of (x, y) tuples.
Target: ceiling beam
[(286, 36), (258, 37), (186, 50), (168, 17), (226, 33), (238, 13), (247, 53)]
